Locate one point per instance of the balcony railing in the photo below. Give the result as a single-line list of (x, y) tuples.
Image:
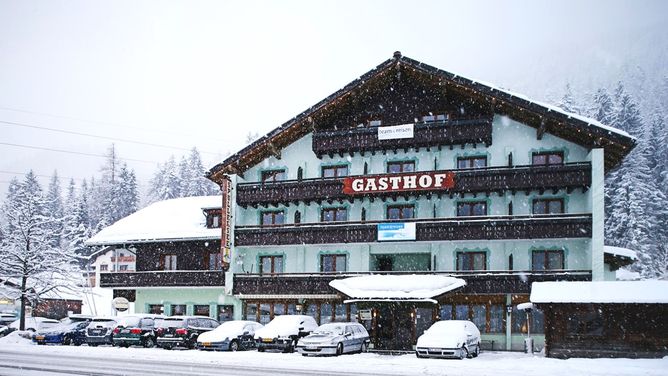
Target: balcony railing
[(479, 282), (430, 229), (163, 278), (480, 180), (431, 134)]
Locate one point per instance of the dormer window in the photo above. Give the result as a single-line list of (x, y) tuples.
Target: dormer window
[(214, 218)]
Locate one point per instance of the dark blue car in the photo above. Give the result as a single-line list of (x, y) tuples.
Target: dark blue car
[(66, 333)]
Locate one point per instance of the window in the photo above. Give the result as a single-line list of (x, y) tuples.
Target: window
[(168, 262), (548, 206), (269, 218), (201, 310), (214, 218), (479, 316), (273, 175), (325, 313), (178, 309), (496, 318), (340, 314), (401, 212), (104, 267), (123, 268), (271, 264), (401, 166), (462, 312), (472, 208), (334, 215), (251, 312), (472, 162), (155, 309), (547, 260), (334, 171), (279, 309), (375, 123), (225, 313), (549, 158), (333, 263), (265, 313), (471, 261), (214, 260)]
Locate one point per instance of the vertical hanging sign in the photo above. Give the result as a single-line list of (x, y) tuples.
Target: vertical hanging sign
[(226, 225)]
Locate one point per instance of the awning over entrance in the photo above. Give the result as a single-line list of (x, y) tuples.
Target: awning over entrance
[(388, 288)]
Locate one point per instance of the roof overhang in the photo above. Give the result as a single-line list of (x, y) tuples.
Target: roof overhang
[(600, 292), (396, 288), (617, 257), (585, 132)]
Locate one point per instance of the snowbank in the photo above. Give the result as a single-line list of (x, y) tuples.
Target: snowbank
[(16, 338)]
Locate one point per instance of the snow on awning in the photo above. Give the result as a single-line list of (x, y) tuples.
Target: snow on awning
[(620, 252), (621, 292), (396, 287)]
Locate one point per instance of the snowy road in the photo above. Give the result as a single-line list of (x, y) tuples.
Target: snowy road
[(23, 358)]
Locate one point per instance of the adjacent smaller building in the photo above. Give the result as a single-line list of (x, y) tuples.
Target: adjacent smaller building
[(176, 248), (604, 319)]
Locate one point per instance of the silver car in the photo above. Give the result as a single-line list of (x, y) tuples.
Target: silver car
[(335, 339)]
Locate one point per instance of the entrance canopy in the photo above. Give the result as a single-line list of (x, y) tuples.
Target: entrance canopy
[(386, 288)]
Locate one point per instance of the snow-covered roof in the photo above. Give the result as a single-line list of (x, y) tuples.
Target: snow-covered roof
[(600, 292), (618, 251), (176, 219), (396, 287)]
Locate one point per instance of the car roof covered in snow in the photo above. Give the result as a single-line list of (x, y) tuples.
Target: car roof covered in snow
[(169, 220), (620, 292)]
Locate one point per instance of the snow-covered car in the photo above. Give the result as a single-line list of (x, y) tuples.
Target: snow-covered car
[(34, 324), (7, 318), (335, 339), (283, 332), (100, 331), (183, 331), (230, 335), (4, 330), (136, 330), (65, 333), (449, 339)]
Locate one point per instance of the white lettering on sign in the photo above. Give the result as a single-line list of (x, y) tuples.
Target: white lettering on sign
[(395, 131)]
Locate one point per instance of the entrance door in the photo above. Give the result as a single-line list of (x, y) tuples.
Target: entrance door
[(384, 263), (394, 327)]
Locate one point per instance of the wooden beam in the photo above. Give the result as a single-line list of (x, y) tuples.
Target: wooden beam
[(541, 129)]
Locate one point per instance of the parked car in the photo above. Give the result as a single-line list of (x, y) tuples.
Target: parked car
[(283, 332), (34, 324), (4, 330), (100, 331), (182, 331), (136, 330), (7, 318), (65, 333), (230, 335), (449, 339), (335, 339)]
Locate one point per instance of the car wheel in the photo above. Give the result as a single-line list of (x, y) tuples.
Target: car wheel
[(364, 348), (417, 354), (260, 349), (149, 342), (92, 344), (76, 343), (476, 352), (339, 349), (234, 345), (66, 341), (463, 353)]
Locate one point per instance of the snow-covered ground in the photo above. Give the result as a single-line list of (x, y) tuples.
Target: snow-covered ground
[(488, 363)]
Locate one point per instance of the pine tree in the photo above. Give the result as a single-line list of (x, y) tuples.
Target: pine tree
[(29, 259), (166, 183), (567, 103), (196, 184), (603, 107), (55, 209), (127, 190)]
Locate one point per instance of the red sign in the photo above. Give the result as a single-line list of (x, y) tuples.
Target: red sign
[(418, 181)]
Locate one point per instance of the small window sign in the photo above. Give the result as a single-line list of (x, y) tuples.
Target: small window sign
[(396, 231), (365, 314)]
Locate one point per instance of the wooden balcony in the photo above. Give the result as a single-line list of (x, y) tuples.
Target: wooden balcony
[(568, 176), (163, 278), (487, 282), (425, 135), (430, 229)]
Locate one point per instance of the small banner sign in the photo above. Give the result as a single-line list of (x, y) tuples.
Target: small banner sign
[(396, 231), (418, 181), (226, 244), (395, 131)]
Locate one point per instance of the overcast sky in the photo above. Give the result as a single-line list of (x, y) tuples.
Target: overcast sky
[(205, 73)]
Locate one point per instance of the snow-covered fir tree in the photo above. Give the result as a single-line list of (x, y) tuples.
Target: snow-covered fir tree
[(183, 180), (55, 209), (29, 259), (567, 102)]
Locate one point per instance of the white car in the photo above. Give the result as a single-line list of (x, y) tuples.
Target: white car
[(449, 339), (335, 339), (230, 335), (34, 324), (283, 332)]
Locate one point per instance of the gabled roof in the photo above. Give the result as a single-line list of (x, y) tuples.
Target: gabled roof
[(545, 118), (177, 219)]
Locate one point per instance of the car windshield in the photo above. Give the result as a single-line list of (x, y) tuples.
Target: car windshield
[(173, 323), (129, 321), (330, 329)]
